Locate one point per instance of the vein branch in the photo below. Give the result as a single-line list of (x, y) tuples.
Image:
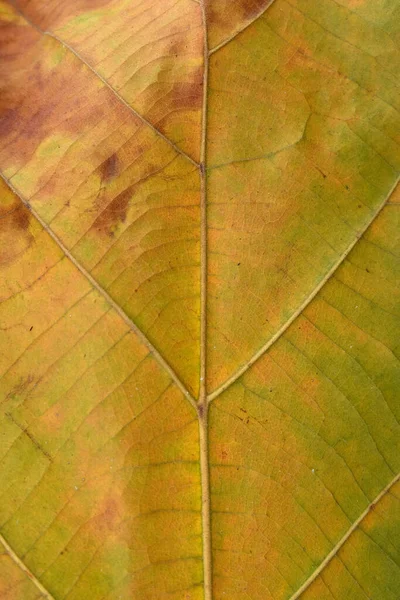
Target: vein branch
[(145, 341), (243, 28), (343, 540), (304, 304), (25, 569)]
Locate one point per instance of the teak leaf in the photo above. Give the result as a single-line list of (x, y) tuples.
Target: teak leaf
[(200, 300)]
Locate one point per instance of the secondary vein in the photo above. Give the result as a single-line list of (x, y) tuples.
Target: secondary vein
[(234, 35), (343, 540), (146, 342), (25, 569), (304, 304)]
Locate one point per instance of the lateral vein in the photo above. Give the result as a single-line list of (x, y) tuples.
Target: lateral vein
[(146, 342), (234, 35), (25, 569), (304, 304), (343, 540)]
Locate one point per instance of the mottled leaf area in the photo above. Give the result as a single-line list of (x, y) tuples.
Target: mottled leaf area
[(200, 300)]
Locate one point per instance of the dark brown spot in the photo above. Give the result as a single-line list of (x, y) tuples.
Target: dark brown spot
[(322, 173), (114, 213), (109, 168), (21, 218)]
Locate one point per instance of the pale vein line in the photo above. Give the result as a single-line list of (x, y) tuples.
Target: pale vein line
[(25, 569), (203, 404), (203, 212), (205, 499), (145, 341), (306, 302), (343, 540), (234, 35)]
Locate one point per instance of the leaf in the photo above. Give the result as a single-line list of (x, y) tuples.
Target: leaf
[(199, 282)]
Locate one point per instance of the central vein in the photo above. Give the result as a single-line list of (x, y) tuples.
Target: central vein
[(202, 408)]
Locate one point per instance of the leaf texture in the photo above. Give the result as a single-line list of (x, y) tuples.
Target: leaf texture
[(200, 302)]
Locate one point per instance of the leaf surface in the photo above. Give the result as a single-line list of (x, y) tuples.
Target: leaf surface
[(199, 283)]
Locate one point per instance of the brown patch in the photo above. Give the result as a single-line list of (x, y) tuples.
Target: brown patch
[(21, 218), (7, 121), (109, 168), (15, 237), (108, 517), (252, 8), (49, 14), (115, 212)]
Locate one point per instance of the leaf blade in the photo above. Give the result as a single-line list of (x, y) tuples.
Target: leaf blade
[(67, 493)]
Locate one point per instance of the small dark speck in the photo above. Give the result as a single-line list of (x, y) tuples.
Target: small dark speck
[(30, 328), (368, 271), (238, 264)]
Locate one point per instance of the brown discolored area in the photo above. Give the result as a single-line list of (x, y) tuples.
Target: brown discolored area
[(15, 237), (109, 168), (163, 80), (115, 213), (20, 218), (102, 179), (14, 30), (14, 34), (186, 95), (59, 108), (44, 12)]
